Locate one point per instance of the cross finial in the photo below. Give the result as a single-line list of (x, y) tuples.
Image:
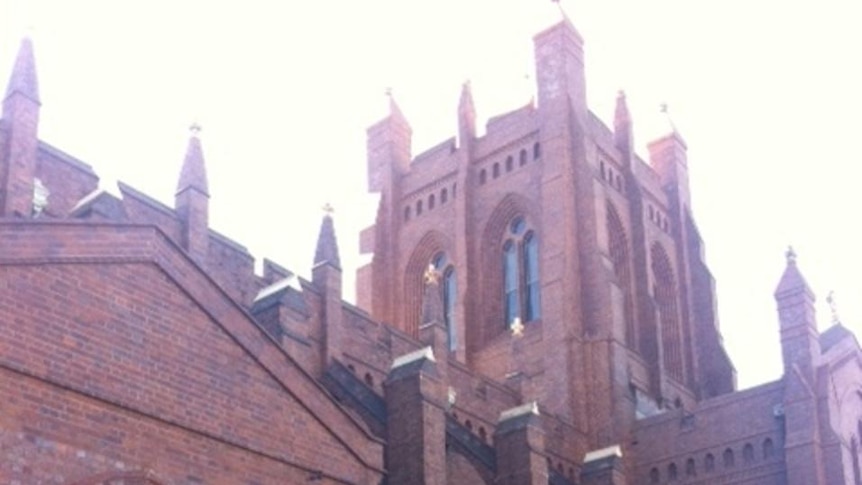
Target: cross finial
[(328, 209), (195, 128), (560, 6), (388, 91), (432, 276), (790, 254), (517, 328)]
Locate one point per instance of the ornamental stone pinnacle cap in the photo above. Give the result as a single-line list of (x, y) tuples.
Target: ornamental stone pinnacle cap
[(610, 451), (423, 353), (194, 173), (23, 79), (524, 409), (326, 251)]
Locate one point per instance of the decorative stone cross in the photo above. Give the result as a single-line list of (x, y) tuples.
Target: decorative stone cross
[(431, 276), (517, 328)]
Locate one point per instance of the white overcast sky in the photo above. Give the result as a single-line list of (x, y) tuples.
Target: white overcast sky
[(765, 92)]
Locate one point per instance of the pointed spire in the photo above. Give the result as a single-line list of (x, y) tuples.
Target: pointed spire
[(792, 281), (432, 299), (623, 136), (194, 174), (395, 113), (466, 114), (671, 127), (621, 113), (327, 246), (23, 80)]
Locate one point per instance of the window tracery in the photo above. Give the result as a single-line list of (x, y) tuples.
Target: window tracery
[(521, 283)]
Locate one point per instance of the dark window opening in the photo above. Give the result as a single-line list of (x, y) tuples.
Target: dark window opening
[(671, 472), (727, 458), (748, 454)]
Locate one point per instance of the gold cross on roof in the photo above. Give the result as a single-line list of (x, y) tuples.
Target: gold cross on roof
[(431, 276), (517, 328)]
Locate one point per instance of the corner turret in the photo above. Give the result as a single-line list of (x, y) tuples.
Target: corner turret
[(668, 157), (20, 121), (388, 148), (192, 198), (326, 277), (800, 347), (559, 54)]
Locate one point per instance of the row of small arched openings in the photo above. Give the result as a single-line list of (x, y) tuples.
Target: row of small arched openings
[(658, 218), (367, 378), (709, 465), (561, 469), (480, 431), (509, 165), (419, 206), (611, 176)]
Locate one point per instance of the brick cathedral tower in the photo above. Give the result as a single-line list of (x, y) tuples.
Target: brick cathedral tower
[(552, 221)]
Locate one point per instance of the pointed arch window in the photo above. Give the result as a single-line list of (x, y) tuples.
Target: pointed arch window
[(665, 294), (521, 283), (619, 253), (449, 290)]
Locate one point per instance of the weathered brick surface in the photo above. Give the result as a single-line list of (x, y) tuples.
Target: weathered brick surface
[(128, 353), (155, 357)]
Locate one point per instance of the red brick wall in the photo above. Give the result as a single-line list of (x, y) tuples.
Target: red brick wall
[(108, 354)]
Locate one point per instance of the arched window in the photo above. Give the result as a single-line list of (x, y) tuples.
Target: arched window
[(618, 248), (768, 448), (510, 164), (531, 277), (483, 176), (511, 286), (444, 195), (690, 468), (748, 454), (671, 472), (431, 201), (537, 150), (407, 213), (521, 284), (727, 457), (522, 157), (418, 207), (449, 289), (664, 291), (654, 476), (709, 463), (495, 170)]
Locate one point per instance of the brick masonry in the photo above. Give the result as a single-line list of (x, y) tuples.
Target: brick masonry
[(138, 346)]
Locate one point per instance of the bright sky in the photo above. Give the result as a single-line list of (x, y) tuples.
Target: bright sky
[(766, 93)]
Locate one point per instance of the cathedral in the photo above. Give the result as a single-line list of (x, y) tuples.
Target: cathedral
[(536, 310)]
